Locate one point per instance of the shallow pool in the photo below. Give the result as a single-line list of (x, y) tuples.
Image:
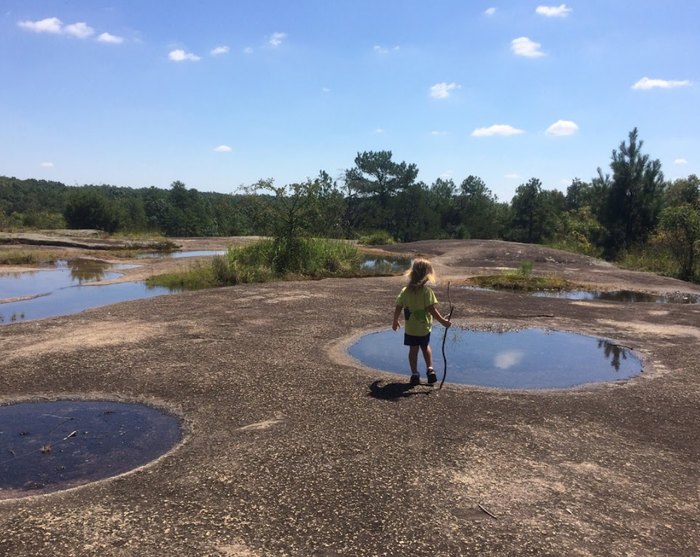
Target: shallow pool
[(621, 296), (66, 288), (48, 446), (526, 359)]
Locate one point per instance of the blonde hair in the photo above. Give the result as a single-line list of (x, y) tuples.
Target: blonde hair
[(421, 272)]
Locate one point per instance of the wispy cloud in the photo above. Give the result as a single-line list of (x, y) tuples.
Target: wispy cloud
[(680, 161), (53, 25), (523, 46), (109, 38), (179, 55), (219, 50), (443, 90), (385, 50), (649, 83), (248, 50), (80, 30), (276, 39), (325, 89), (223, 149), (512, 176), (46, 165), (489, 11), (562, 127), (48, 25), (497, 129), (438, 133), (379, 130), (553, 11)]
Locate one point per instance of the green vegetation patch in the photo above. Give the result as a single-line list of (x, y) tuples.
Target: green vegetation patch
[(13, 257), (270, 259), (195, 278), (522, 280), (513, 281)]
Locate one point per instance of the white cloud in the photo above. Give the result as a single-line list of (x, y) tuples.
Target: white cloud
[(680, 161), (379, 130), (80, 30), (443, 90), (497, 129), (507, 359), (180, 55), (219, 50), (46, 165), (248, 50), (437, 133), (523, 46), (48, 25), (385, 50), (276, 39), (553, 11), (447, 175), (562, 127), (326, 90), (489, 11), (223, 149), (649, 83), (512, 176), (109, 38)]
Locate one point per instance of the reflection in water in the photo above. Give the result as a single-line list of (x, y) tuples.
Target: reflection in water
[(86, 270), (504, 360), (527, 359), (68, 300), (613, 352), (66, 289), (628, 296), (386, 265)]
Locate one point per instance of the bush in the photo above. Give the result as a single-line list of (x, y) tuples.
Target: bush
[(376, 238)]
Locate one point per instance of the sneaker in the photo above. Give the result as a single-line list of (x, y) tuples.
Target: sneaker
[(432, 377), (415, 379)]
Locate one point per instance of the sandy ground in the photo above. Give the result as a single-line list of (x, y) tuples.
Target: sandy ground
[(293, 448)]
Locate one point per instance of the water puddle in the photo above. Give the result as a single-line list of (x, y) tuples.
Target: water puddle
[(386, 265), (66, 288), (49, 446), (526, 359), (622, 296), (181, 254), (67, 301)]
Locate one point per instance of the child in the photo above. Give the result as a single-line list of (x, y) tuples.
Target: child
[(418, 304)]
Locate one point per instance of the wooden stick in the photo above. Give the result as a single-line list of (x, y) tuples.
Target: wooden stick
[(487, 511)]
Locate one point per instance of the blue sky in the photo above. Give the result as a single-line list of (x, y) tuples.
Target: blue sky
[(219, 94)]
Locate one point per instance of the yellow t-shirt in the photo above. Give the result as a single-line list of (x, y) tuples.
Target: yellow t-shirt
[(415, 305)]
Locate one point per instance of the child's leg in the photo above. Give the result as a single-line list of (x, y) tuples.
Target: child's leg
[(413, 358), (427, 356)]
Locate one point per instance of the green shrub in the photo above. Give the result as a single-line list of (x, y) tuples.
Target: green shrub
[(196, 277), (376, 238)]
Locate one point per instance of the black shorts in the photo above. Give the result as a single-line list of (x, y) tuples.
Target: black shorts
[(412, 340)]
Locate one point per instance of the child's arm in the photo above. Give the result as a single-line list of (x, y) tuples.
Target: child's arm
[(397, 311), (436, 314)]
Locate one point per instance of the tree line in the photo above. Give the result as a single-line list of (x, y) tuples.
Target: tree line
[(382, 200)]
